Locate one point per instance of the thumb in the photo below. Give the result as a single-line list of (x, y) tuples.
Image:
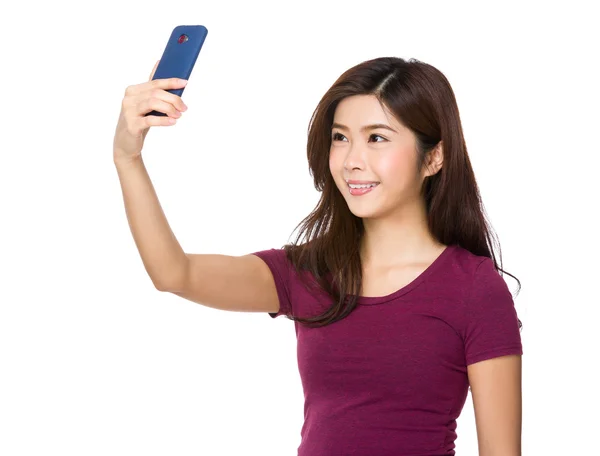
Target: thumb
[(153, 70)]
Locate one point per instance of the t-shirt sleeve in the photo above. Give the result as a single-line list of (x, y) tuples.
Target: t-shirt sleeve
[(281, 269), (492, 326)]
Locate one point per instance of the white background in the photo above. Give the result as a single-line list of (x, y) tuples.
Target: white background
[(95, 361)]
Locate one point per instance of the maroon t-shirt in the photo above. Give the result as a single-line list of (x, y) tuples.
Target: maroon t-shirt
[(391, 378)]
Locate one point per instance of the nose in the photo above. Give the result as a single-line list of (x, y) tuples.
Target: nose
[(354, 159)]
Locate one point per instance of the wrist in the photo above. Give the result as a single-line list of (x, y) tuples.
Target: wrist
[(124, 160)]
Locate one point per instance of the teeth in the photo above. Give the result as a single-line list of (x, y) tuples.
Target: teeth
[(361, 185)]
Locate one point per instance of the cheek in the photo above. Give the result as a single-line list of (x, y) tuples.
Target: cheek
[(395, 166), (336, 164), (336, 168), (334, 159)]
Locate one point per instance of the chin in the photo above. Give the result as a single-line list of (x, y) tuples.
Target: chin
[(364, 211), (364, 214)]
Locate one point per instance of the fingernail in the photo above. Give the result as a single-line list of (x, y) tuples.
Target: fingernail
[(183, 81)]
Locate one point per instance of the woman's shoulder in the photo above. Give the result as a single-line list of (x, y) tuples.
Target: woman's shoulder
[(466, 262)]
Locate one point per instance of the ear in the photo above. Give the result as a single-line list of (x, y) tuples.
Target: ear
[(435, 160)]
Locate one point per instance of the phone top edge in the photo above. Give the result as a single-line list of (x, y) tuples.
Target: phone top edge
[(202, 27)]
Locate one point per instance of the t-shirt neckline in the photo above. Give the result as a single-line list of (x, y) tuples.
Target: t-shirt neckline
[(370, 300)]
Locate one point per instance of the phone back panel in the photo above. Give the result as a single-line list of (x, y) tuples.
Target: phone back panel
[(180, 55)]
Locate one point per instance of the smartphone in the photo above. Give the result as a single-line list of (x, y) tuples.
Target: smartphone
[(179, 56)]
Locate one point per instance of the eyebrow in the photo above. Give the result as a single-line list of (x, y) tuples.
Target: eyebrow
[(365, 128)]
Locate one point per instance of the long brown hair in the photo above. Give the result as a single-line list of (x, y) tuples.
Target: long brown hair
[(422, 99)]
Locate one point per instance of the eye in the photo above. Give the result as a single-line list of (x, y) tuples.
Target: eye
[(377, 136), (337, 136)]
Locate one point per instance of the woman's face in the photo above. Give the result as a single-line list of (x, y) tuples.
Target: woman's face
[(379, 154)]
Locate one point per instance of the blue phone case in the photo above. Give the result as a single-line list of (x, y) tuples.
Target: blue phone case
[(179, 56)]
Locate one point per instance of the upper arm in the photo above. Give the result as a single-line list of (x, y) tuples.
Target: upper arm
[(493, 352), (497, 402), (235, 283)]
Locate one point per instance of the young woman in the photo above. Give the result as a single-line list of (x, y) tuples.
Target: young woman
[(395, 290)]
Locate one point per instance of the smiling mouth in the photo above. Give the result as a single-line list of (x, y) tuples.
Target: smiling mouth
[(361, 190), (362, 186)]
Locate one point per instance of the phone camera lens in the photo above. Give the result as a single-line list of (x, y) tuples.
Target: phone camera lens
[(182, 39)]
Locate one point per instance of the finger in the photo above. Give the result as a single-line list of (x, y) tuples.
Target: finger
[(163, 95), (165, 84), (172, 99), (144, 123), (156, 104), (168, 83), (153, 70), (157, 121)]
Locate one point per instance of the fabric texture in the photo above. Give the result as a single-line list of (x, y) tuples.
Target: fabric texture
[(391, 378)]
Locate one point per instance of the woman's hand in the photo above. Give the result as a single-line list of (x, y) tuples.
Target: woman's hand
[(140, 99)]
